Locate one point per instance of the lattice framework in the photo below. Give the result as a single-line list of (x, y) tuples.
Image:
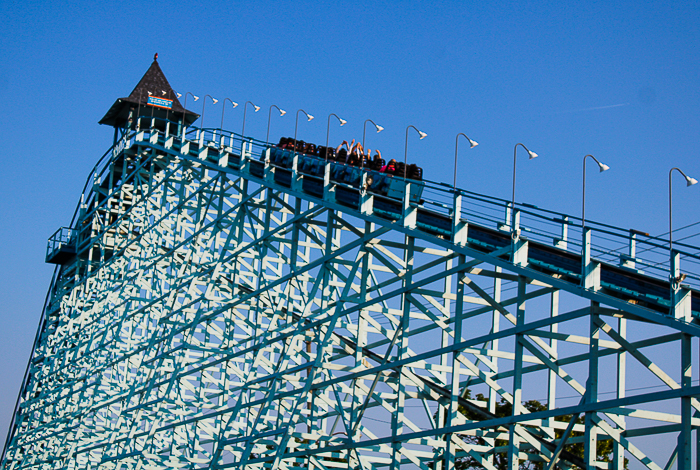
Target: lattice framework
[(222, 321)]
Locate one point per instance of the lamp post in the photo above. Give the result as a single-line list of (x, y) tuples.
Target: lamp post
[(512, 201), (603, 167), (201, 118), (223, 108), (296, 124), (405, 151), (328, 129), (245, 107), (472, 144), (184, 110), (364, 131), (138, 111), (689, 182), (152, 109), (269, 115)]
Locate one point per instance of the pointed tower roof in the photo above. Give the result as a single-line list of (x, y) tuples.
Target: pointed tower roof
[(153, 83)]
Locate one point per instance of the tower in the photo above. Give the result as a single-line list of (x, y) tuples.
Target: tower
[(152, 99)]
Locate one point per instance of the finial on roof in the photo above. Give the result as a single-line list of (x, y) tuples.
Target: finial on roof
[(155, 57)]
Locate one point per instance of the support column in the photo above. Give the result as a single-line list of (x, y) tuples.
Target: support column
[(591, 439), (402, 349), (680, 296), (455, 390), (618, 462), (684, 437), (590, 269), (495, 345), (552, 375), (513, 438)]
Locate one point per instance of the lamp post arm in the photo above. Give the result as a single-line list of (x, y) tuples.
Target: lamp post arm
[(583, 194), (245, 108), (364, 130), (405, 150), (269, 114), (296, 125), (328, 131), (223, 108), (670, 212), (184, 116), (515, 152), (690, 181), (512, 201), (184, 111), (473, 144)]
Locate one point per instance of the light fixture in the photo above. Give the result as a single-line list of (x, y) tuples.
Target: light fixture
[(269, 115), (184, 110), (364, 131), (472, 144), (532, 155), (296, 124), (689, 182), (223, 108), (204, 102), (328, 130), (245, 108), (405, 153), (602, 167)]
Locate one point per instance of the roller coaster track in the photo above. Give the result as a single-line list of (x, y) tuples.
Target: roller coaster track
[(216, 305)]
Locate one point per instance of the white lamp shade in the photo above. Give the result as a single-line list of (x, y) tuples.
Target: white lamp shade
[(282, 112), (343, 122), (532, 154), (379, 129), (691, 181), (422, 134), (473, 143)]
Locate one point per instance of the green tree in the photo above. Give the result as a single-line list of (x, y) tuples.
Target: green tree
[(573, 452)]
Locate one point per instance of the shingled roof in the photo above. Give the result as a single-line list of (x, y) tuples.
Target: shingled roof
[(153, 81)]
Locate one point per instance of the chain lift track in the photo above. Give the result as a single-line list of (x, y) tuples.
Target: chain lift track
[(212, 308)]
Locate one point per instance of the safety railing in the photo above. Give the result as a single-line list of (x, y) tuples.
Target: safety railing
[(627, 248), (61, 242)]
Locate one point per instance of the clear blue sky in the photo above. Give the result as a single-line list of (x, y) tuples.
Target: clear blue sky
[(619, 80)]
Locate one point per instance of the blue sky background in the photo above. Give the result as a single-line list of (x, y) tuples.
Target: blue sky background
[(619, 80)]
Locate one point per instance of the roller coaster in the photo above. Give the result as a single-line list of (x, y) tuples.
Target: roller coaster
[(220, 303)]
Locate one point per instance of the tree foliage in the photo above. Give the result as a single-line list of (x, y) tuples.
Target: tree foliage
[(605, 449)]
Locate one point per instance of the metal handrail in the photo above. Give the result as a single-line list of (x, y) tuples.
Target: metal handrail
[(609, 243)]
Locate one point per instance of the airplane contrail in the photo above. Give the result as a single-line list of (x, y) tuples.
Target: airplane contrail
[(593, 109)]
